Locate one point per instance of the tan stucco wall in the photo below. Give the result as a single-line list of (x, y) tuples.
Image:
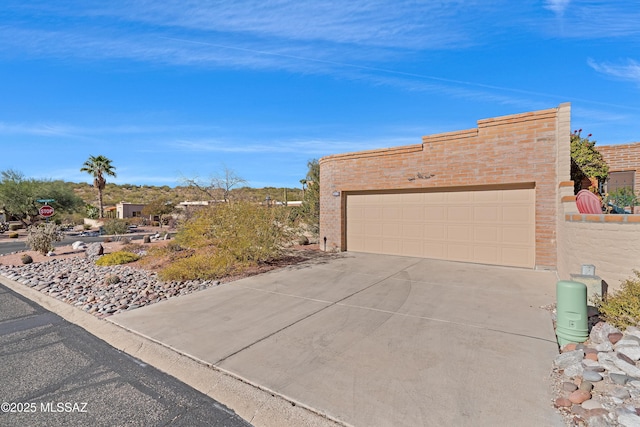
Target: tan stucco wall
[(609, 242)]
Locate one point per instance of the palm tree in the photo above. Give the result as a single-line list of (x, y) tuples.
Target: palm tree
[(98, 167)]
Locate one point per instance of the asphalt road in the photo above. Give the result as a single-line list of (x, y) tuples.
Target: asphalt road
[(7, 246), (54, 373)]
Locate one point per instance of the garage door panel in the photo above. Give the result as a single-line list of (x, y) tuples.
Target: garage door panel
[(437, 250), (517, 235), (459, 233), (485, 234), (372, 213), (459, 214), (435, 213), (413, 213), (492, 227), (487, 197), (392, 230), (412, 231), (412, 248), (517, 214), (435, 232), (486, 254), (459, 252), (486, 214)]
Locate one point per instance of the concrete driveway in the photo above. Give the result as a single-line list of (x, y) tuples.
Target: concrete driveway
[(375, 340)]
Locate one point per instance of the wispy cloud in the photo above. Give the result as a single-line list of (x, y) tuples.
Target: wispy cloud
[(594, 19), (627, 71), (70, 130), (557, 6)]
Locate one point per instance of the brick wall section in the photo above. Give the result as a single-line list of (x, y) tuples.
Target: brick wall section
[(515, 149), (622, 158)]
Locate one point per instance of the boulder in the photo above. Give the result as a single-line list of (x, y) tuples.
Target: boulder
[(94, 250), (78, 245)]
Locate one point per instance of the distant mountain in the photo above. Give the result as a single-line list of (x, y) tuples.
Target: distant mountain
[(114, 193)]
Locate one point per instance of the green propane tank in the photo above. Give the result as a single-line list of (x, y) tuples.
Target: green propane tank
[(571, 322)]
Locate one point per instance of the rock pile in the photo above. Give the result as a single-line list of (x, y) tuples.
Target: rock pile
[(101, 291), (601, 378)]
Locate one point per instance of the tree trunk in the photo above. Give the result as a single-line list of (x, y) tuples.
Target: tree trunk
[(100, 203)]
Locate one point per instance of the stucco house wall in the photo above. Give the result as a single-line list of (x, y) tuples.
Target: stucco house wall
[(529, 150)]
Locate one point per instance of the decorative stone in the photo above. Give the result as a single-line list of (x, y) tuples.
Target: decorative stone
[(564, 360), (77, 245), (569, 386), (627, 368), (633, 353), (591, 376), (586, 386), (600, 332), (94, 250), (573, 371), (592, 404), (569, 347), (579, 396), (563, 402), (624, 357), (619, 393), (628, 419), (614, 337), (620, 379), (591, 356)]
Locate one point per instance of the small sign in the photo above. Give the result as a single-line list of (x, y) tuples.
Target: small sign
[(46, 211)]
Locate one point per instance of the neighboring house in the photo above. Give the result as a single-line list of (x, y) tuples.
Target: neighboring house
[(624, 164), (129, 210), (500, 194)]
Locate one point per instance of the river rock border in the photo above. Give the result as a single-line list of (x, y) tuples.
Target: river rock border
[(101, 291), (599, 380)]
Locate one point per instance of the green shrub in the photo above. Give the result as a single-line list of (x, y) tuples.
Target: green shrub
[(228, 238), (622, 197), (13, 235), (117, 258), (116, 226), (622, 308), (41, 237), (26, 259)]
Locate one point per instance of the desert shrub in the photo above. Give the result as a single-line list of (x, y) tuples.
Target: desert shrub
[(117, 258), (86, 227), (622, 308), (26, 259), (41, 237), (227, 238), (116, 226), (13, 235), (199, 266), (125, 240), (244, 231), (15, 227)]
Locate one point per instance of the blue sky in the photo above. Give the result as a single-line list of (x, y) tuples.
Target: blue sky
[(173, 89)]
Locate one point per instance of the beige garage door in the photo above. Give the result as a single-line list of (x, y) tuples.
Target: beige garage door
[(489, 227)]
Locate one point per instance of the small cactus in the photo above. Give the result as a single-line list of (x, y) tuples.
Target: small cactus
[(112, 280), (26, 259)]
